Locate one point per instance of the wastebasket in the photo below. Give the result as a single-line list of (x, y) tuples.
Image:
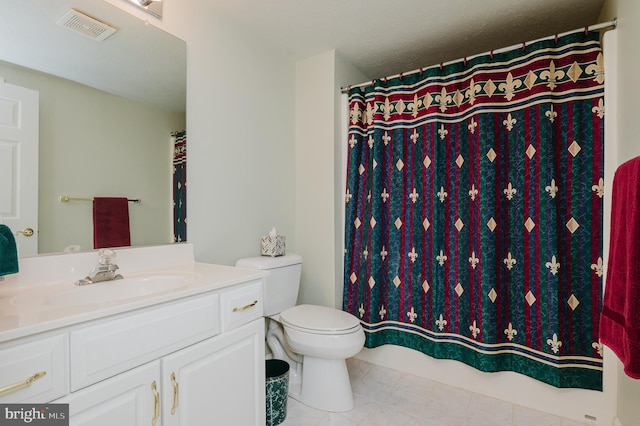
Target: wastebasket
[(277, 389)]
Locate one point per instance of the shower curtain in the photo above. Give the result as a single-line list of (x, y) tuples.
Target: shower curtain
[(473, 219), (180, 186)]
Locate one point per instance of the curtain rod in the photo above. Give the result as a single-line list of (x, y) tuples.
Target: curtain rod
[(595, 27)]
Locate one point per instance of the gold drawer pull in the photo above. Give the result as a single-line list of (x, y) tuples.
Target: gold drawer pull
[(175, 393), (245, 307), (21, 385), (156, 403)]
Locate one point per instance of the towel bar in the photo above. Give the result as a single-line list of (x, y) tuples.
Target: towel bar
[(66, 199)]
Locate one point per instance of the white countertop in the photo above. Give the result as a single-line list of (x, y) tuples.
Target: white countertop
[(26, 306)]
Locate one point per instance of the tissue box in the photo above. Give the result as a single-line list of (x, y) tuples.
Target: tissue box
[(273, 246)]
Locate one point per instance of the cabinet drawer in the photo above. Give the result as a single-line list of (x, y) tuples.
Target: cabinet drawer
[(22, 361), (241, 306), (107, 347)]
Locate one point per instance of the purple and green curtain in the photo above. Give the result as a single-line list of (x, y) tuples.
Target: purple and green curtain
[(473, 226), (180, 186)]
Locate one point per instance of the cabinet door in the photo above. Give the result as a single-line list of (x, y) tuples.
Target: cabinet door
[(126, 399), (217, 382)]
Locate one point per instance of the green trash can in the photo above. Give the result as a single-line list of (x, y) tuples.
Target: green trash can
[(277, 389)]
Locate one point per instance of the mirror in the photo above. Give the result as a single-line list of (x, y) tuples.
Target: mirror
[(107, 111)]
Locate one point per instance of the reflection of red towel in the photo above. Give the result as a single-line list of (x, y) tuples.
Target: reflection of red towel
[(110, 222), (620, 319)]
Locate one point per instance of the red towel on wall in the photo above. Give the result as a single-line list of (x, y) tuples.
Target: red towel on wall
[(620, 318), (110, 222)]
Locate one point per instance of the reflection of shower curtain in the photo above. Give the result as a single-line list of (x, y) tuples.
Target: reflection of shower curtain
[(474, 211), (180, 186)]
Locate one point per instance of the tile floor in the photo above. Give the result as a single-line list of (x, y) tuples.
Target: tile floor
[(386, 397)]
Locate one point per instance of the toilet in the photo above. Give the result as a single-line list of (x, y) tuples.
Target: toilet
[(314, 340)]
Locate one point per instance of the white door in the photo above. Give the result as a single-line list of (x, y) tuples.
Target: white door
[(19, 164)]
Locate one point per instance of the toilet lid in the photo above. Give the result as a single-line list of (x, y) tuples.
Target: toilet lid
[(319, 319)]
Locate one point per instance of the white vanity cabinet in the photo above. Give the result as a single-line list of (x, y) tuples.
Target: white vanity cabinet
[(196, 360), (219, 381)]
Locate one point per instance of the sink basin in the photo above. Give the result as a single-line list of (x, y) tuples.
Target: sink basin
[(131, 287)]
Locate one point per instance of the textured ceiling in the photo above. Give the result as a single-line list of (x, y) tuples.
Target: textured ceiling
[(382, 37)]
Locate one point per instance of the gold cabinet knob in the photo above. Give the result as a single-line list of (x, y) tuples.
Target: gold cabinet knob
[(27, 232)]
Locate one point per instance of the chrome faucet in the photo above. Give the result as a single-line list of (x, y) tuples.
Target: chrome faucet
[(105, 270)]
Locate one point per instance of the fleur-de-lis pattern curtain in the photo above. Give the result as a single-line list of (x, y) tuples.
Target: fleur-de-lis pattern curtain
[(180, 186), (474, 211)]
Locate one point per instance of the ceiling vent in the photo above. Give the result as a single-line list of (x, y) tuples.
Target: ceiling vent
[(86, 25)]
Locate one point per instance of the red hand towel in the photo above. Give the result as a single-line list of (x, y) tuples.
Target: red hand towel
[(110, 222), (620, 318)]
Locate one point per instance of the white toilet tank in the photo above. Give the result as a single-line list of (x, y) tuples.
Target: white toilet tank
[(280, 289)]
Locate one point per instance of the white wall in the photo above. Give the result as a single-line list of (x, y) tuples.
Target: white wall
[(96, 144), (315, 201), (240, 123), (628, 14), (345, 74), (320, 174)]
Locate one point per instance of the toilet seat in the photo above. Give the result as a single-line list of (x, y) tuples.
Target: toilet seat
[(319, 320)]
